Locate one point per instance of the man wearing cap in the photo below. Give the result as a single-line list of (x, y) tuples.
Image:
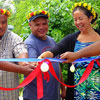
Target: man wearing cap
[(38, 42), (11, 46)]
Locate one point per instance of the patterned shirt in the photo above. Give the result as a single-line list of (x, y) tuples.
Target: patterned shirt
[(11, 46), (89, 89)]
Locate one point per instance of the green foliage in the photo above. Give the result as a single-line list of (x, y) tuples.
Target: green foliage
[(60, 17), (1, 3), (64, 68), (21, 77), (60, 22)]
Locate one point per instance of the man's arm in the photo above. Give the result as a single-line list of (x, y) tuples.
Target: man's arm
[(92, 50), (29, 65), (10, 67), (46, 54), (23, 55)]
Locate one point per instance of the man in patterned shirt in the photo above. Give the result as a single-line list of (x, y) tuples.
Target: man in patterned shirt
[(11, 46)]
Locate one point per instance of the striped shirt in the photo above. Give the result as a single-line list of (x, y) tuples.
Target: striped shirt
[(11, 46)]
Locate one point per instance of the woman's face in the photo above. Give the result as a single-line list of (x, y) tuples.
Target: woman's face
[(81, 21)]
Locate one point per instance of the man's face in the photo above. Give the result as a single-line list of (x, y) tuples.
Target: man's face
[(39, 27), (3, 24)]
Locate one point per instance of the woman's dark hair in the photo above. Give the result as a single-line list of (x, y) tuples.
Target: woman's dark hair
[(86, 12)]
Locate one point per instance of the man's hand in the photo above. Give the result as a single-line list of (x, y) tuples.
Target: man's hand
[(29, 66)]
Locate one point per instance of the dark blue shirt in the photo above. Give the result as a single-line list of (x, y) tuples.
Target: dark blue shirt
[(51, 89)]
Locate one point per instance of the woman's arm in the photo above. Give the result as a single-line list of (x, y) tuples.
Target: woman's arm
[(92, 50)]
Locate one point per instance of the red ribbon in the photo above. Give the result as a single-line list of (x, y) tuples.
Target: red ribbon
[(83, 78), (36, 73)]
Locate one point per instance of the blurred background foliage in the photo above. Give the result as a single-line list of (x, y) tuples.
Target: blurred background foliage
[(60, 21)]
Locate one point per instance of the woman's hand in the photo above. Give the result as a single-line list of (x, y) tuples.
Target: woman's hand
[(69, 56)]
